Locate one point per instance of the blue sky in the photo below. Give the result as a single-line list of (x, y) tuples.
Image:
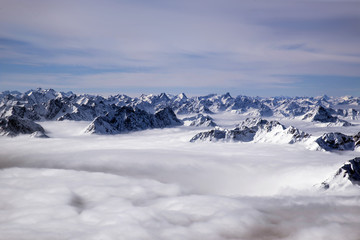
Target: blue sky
[(258, 48)]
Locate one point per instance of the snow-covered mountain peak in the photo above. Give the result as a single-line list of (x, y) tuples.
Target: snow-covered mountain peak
[(127, 119), (338, 141), (182, 96), (226, 97), (200, 120), (322, 115), (255, 130), (164, 97), (252, 122), (346, 176)]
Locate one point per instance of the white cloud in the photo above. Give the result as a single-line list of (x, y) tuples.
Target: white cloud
[(156, 185)]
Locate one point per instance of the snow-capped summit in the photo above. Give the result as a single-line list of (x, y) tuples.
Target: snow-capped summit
[(253, 122), (163, 97), (349, 100), (338, 141), (255, 130), (40, 95), (199, 120), (319, 114), (347, 175), (251, 106), (182, 96), (127, 119), (323, 115)]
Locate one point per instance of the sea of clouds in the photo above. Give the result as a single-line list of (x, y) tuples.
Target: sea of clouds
[(155, 184)]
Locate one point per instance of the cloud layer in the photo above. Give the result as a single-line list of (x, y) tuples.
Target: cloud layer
[(155, 184)]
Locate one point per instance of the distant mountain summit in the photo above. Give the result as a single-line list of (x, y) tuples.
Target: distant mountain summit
[(256, 130), (200, 120), (127, 119), (322, 115), (48, 104)]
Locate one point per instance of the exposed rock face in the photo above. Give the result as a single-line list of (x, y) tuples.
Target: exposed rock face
[(13, 126), (351, 170), (322, 115), (257, 130), (53, 107), (165, 118), (127, 119), (357, 140), (348, 174), (200, 120), (212, 135), (337, 141)]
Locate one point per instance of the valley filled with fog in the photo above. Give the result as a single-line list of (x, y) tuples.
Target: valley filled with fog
[(156, 184)]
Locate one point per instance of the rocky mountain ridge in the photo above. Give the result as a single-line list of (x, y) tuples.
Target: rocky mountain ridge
[(199, 120), (254, 130), (48, 104), (128, 119), (261, 130)]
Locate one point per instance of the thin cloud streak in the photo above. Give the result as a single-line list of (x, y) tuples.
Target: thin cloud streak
[(198, 43)]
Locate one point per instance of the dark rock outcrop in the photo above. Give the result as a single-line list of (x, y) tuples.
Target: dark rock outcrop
[(13, 126), (323, 115), (347, 174), (127, 119), (338, 141)]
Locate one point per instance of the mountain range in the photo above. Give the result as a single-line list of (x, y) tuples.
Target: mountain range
[(22, 113), (121, 113), (47, 104), (261, 130)]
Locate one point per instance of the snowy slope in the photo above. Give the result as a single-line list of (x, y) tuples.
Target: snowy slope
[(347, 175)]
